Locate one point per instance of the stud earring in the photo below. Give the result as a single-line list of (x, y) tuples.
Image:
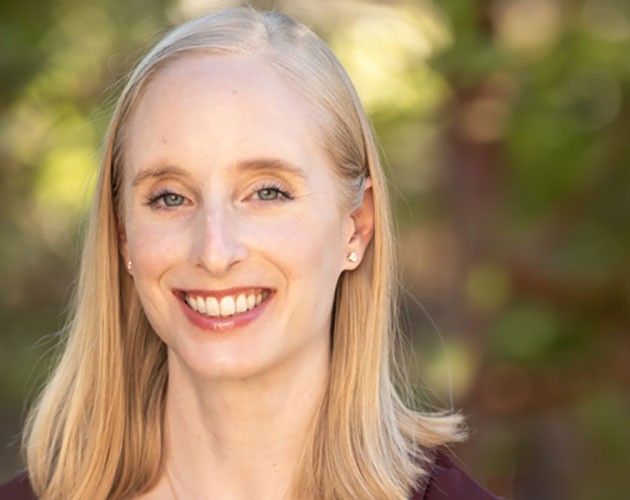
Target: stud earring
[(353, 257), (129, 265)]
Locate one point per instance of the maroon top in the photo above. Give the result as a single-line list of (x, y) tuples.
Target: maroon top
[(447, 482), (19, 488)]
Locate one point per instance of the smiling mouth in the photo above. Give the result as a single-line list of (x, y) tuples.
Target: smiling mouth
[(226, 305)]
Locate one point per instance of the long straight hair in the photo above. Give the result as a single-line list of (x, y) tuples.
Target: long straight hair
[(96, 430)]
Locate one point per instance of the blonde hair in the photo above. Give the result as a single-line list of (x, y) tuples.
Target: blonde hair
[(96, 430)]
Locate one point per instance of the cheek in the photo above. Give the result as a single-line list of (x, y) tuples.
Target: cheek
[(151, 244), (303, 243)]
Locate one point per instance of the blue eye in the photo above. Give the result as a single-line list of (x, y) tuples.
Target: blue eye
[(166, 200), (269, 194), (172, 199)]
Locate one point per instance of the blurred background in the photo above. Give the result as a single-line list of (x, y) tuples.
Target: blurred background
[(505, 125)]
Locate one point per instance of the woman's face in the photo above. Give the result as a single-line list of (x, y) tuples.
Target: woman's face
[(232, 218)]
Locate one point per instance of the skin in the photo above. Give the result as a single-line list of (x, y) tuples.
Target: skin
[(228, 190)]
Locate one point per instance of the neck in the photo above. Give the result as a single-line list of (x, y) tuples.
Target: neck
[(241, 438)]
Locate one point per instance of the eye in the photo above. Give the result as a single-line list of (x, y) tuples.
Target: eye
[(268, 194), (271, 193), (166, 200), (172, 199)]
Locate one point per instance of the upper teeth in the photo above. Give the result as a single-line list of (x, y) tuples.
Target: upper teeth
[(228, 305)]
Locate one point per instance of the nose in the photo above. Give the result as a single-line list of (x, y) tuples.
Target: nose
[(219, 244)]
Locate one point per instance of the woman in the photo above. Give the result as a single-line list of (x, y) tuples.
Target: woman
[(233, 328)]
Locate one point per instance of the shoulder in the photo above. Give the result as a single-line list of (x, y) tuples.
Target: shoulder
[(448, 481), (18, 488)]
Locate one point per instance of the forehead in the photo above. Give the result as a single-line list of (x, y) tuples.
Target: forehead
[(224, 104)]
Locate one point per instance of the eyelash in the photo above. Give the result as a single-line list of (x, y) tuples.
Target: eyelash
[(153, 199), (283, 194)]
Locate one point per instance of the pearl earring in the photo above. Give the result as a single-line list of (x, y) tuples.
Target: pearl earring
[(353, 257), (129, 265)]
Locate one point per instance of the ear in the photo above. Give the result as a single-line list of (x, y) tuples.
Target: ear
[(362, 228)]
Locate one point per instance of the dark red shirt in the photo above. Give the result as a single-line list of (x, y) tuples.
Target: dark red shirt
[(18, 488), (446, 482)]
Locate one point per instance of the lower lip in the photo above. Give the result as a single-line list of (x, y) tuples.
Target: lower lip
[(217, 324)]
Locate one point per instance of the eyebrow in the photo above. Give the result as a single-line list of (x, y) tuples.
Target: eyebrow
[(157, 173), (254, 165), (261, 164)]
